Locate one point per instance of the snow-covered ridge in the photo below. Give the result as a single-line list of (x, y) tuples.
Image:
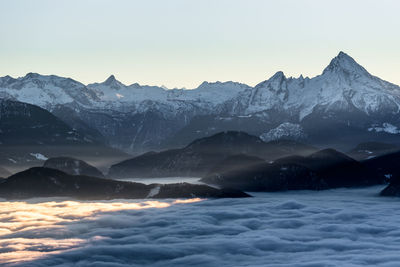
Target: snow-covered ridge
[(343, 84), (115, 94), (45, 90), (48, 91), (39, 156), (386, 127), (286, 130)]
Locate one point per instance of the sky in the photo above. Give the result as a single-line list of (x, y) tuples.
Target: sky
[(181, 43)]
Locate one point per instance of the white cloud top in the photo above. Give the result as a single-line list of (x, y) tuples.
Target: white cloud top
[(330, 228)]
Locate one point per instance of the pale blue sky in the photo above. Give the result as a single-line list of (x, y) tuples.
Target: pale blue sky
[(180, 43)]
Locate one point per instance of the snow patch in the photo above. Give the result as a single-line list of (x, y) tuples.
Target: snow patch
[(386, 127), (12, 160), (154, 191), (39, 156), (388, 176), (286, 130)]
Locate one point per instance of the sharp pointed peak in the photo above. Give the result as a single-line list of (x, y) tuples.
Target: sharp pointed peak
[(342, 57), (113, 82), (344, 63), (278, 75), (278, 78), (343, 54), (110, 79)]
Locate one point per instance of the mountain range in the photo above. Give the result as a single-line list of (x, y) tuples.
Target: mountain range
[(343, 106), (232, 161), (30, 134), (198, 157), (46, 182)]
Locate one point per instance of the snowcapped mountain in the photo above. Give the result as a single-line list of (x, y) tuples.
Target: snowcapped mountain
[(115, 95), (45, 91), (140, 117), (343, 85)]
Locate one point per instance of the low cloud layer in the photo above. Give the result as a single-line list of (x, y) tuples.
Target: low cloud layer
[(351, 227)]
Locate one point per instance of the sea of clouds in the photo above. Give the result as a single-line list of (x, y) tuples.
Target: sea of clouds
[(343, 227)]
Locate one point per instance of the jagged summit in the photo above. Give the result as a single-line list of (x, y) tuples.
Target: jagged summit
[(279, 75), (217, 84), (110, 79), (345, 92), (6, 80), (277, 85), (32, 75), (113, 82), (8, 77), (343, 63)]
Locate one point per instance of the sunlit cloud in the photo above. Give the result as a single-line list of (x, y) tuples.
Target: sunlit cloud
[(190, 200), (19, 217), (338, 227), (14, 250)]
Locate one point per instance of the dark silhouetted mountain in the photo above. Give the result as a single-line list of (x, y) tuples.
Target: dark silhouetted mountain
[(72, 166), (68, 115), (267, 177), (339, 170), (4, 173), (30, 134), (25, 124), (45, 182), (393, 188), (186, 190), (236, 162), (197, 158), (369, 150), (387, 165), (324, 169)]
